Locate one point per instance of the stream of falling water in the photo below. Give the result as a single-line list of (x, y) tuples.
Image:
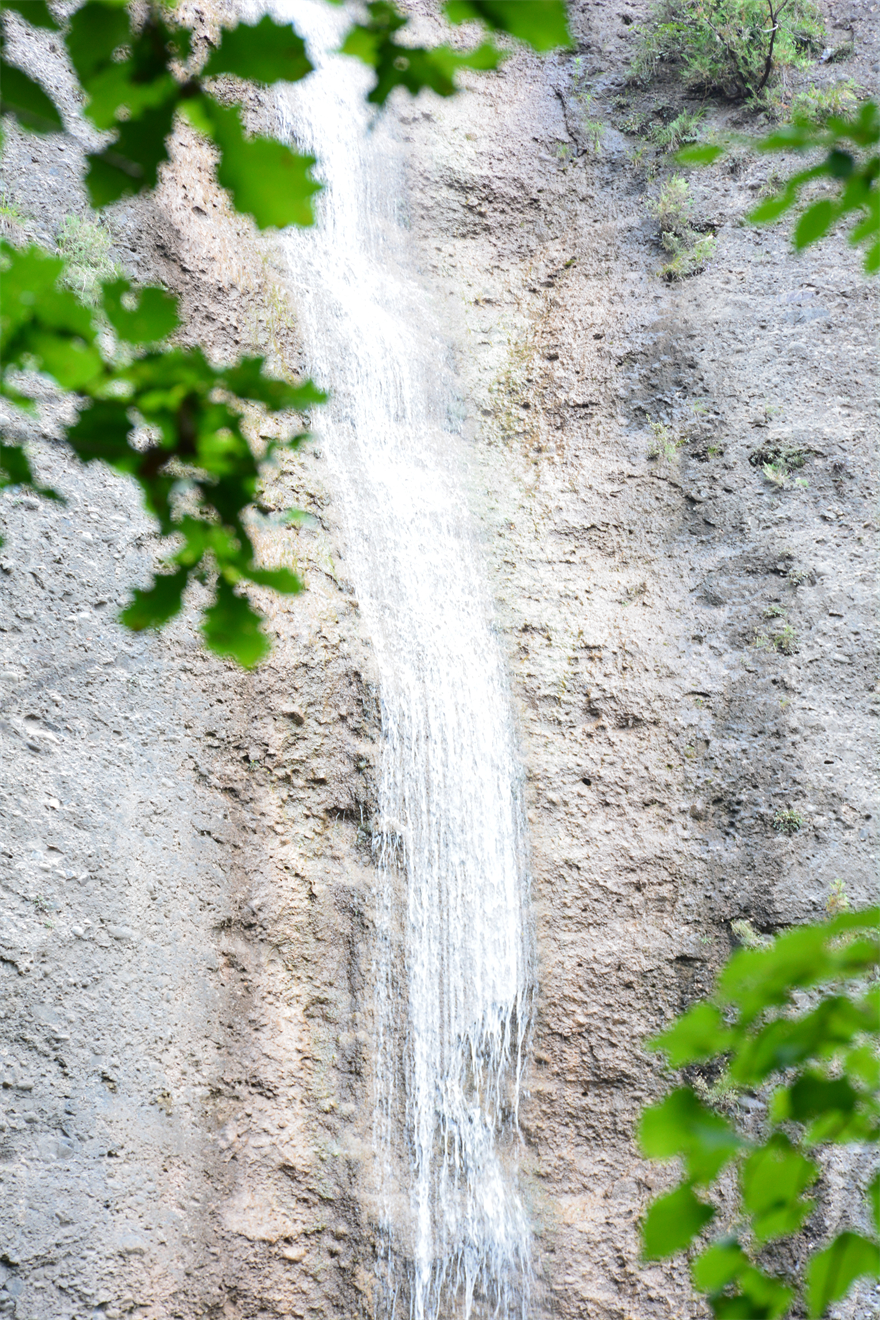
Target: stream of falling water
[(453, 975)]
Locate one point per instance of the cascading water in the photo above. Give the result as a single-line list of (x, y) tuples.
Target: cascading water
[(453, 973)]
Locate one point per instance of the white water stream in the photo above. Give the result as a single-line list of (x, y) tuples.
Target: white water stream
[(453, 974)]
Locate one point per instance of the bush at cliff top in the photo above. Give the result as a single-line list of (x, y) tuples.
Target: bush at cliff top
[(730, 47), (791, 1038)]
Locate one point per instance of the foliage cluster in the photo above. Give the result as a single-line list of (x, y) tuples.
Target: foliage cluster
[(778, 461), (851, 165), (731, 47), (820, 104), (688, 249), (665, 444), (680, 131), (783, 639), (162, 415), (791, 1036), (788, 821), (846, 168), (85, 250)]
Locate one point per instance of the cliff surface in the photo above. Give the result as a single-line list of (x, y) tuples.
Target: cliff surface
[(186, 940)]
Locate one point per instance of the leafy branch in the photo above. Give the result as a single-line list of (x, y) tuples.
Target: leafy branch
[(160, 414), (851, 164), (793, 1025), (163, 416)]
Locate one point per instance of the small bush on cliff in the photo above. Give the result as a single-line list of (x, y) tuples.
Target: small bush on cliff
[(822, 103), (730, 47), (672, 206), (85, 249), (791, 1039), (688, 250)]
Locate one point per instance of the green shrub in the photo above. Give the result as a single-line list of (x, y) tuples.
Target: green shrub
[(730, 47), (787, 821), (778, 461), (820, 103), (665, 444), (685, 128), (85, 248), (592, 129), (671, 208), (784, 640), (688, 250), (11, 214), (688, 255)]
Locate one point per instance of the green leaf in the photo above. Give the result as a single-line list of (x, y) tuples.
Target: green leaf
[(756, 979), (231, 628), (815, 223), (266, 52), (114, 90), (874, 1200), (802, 135), (36, 12), (412, 67), (97, 29), (772, 1180), (33, 302), (142, 79), (839, 164), (22, 97), (16, 470), (869, 226), (738, 1308), (543, 24), (833, 1271), (815, 1096), (279, 579), (673, 1221), (152, 317), (773, 208), (248, 382), (72, 361), (862, 1063), (131, 163), (718, 1266), (681, 1125), (759, 1295), (846, 922), (761, 1298), (788, 1041), (40, 320), (700, 1034), (266, 179), (153, 607), (101, 435), (698, 155)]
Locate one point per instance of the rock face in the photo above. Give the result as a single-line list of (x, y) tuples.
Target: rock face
[(186, 865)]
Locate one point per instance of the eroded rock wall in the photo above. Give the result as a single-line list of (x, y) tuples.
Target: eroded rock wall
[(185, 956), (691, 645), (184, 857)]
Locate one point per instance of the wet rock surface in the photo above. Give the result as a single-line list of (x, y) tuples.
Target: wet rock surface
[(690, 643), (185, 929)]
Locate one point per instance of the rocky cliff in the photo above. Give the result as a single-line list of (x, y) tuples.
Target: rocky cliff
[(186, 940)]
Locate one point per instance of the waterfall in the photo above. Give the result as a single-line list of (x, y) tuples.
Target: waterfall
[(452, 965)]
